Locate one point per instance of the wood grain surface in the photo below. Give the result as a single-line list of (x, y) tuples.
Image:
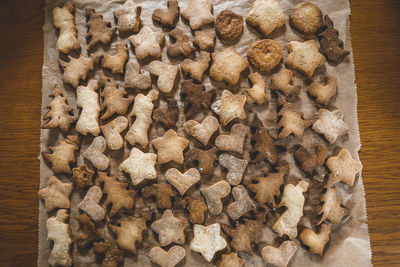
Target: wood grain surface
[(375, 28)]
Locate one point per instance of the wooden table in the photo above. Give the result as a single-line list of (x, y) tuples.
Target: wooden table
[(375, 28)]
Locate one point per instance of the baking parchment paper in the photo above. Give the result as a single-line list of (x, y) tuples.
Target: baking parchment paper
[(349, 244)]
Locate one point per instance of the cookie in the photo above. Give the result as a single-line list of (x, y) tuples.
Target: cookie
[(140, 166), (293, 199), (88, 101), (257, 92), (343, 168), (116, 63), (304, 57), (170, 147), (227, 66), (244, 235), (323, 93), (147, 43), (112, 132), (202, 131), (330, 44), (161, 192), (168, 116), (168, 258), (233, 141), (230, 107), (95, 154), (77, 69), (128, 17), (134, 78), (82, 177), (330, 124), (265, 54), (129, 232), (283, 82), (231, 260), (63, 155), (60, 113), (306, 18), (167, 18), (198, 13), (195, 98), (204, 40), (331, 209), (182, 46), (117, 194), (242, 203), (203, 160), (58, 231), (266, 16), (228, 25), (64, 20), (90, 204), (196, 69), (263, 147), (207, 240), (280, 256), (115, 100), (213, 195), (170, 229), (99, 31), (142, 110), (182, 181), (316, 241), (56, 194), (166, 73)]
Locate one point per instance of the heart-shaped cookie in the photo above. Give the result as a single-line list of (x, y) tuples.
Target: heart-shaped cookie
[(202, 131), (182, 182)]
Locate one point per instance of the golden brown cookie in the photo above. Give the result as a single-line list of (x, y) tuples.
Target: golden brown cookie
[(306, 17), (265, 54)]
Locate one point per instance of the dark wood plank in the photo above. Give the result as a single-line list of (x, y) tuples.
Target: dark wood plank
[(376, 42)]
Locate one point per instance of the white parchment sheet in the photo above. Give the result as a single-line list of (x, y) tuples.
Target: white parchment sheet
[(349, 244)]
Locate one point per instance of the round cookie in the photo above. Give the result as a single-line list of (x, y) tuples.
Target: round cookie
[(265, 54), (306, 18), (228, 25)]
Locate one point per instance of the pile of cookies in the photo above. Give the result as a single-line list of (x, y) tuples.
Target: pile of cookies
[(204, 174)]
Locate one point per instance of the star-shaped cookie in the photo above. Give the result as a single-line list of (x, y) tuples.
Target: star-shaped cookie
[(140, 166), (207, 240), (230, 107), (266, 16), (330, 124), (304, 57), (170, 147), (147, 43), (227, 66), (170, 229), (56, 194), (198, 13), (343, 168)]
